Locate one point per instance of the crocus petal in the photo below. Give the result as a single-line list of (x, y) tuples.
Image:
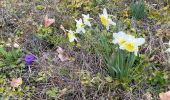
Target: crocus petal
[(16, 82), (48, 21), (29, 59)]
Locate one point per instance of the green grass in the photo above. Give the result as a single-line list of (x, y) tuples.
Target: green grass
[(138, 9)]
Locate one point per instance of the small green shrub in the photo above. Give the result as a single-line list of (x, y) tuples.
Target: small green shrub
[(48, 35), (158, 78), (9, 58), (11, 66), (52, 92), (138, 9), (40, 7)]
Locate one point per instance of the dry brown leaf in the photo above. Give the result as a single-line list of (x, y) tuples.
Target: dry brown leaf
[(165, 96), (62, 54)]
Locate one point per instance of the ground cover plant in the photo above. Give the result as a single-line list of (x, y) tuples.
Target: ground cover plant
[(84, 49)]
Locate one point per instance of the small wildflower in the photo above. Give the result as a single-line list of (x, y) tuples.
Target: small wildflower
[(106, 21), (16, 82), (86, 19), (29, 59), (80, 26), (48, 21)]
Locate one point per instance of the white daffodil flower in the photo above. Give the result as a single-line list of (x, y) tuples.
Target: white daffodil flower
[(106, 21), (71, 36), (119, 38), (132, 44), (86, 20), (127, 42), (80, 26)]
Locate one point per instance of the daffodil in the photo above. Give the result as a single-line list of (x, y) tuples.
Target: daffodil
[(71, 36), (80, 26), (132, 44), (106, 21), (119, 38), (86, 20), (127, 42)]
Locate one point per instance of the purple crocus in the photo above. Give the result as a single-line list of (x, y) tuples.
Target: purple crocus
[(29, 59)]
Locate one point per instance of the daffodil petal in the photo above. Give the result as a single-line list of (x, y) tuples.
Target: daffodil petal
[(105, 12), (139, 41), (107, 27), (168, 50)]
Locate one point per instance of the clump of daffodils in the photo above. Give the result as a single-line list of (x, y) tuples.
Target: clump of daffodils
[(80, 27), (127, 42), (106, 21)]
